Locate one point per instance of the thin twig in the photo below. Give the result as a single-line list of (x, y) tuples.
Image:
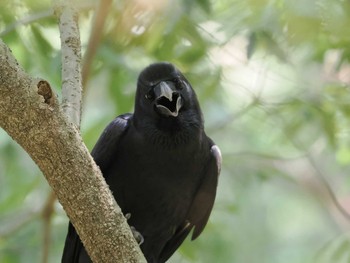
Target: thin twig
[(95, 38), (47, 214), (232, 117), (262, 155), (328, 188), (27, 20), (30, 18), (18, 222), (319, 174)]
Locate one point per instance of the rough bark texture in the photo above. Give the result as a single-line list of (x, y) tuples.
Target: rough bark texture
[(30, 114), (71, 60)]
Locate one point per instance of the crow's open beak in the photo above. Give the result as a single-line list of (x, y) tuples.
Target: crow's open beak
[(168, 101)]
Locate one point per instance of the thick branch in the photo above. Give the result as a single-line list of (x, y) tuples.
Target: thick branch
[(30, 114)]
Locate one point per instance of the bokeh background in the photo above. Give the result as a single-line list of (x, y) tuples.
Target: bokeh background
[(273, 80)]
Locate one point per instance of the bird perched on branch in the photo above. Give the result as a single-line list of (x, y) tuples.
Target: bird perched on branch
[(160, 165)]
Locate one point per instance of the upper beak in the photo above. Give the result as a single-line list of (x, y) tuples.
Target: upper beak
[(168, 101)]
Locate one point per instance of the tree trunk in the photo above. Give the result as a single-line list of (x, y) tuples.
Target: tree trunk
[(31, 115)]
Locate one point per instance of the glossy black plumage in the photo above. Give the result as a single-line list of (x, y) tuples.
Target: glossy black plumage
[(159, 164)]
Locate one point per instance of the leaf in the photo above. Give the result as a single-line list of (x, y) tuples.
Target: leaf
[(41, 42), (251, 44), (205, 5)]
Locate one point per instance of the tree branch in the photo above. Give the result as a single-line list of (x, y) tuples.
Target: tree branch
[(95, 38), (34, 17), (71, 60), (26, 20), (71, 94), (47, 213), (30, 114)]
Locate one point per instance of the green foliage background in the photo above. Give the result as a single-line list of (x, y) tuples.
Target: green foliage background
[(273, 80)]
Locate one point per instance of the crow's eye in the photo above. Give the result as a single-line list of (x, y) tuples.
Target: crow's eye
[(178, 83), (150, 95)]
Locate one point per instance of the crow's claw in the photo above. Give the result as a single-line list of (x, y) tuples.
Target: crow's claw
[(137, 235)]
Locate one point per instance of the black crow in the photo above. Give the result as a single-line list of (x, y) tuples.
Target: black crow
[(159, 164)]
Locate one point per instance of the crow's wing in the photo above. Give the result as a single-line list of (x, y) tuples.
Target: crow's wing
[(201, 206), (74, 251), (204, 200), (106, 145)]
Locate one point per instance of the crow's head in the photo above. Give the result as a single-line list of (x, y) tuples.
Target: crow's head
[(163, 90)]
